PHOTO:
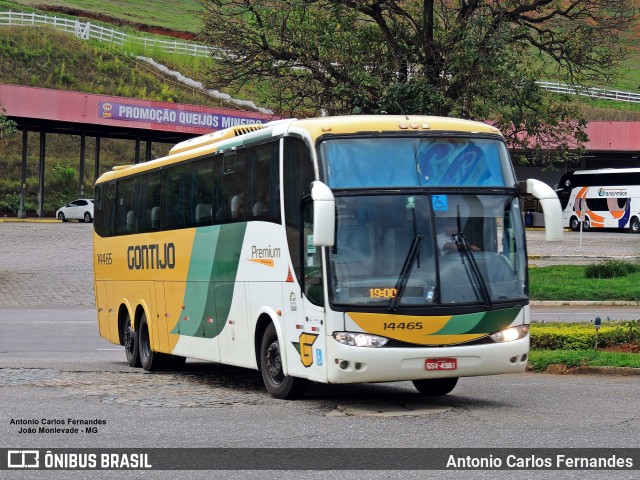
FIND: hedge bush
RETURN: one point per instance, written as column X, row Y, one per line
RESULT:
column 582, row 336
column 610, row 269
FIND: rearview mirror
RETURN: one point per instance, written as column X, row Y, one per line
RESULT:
column 324, row 215
column 550, row 207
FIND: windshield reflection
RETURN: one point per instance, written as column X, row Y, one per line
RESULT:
column 471, row 250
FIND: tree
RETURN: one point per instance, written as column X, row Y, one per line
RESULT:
column 468, row 58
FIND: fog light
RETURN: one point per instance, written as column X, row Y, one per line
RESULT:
column 510, row 334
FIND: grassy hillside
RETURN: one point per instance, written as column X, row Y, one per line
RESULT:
column 178, row 15
column 48, row 58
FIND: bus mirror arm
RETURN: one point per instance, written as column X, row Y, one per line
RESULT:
column 324, row 215
column 550, row 207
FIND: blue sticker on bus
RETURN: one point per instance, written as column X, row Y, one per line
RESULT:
column 318, row 357
column 440, row 203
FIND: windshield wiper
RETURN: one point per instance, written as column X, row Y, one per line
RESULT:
column 403, row 278
column 465, row 249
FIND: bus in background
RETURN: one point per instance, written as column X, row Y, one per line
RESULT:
column 335, row 250
column 604, row 198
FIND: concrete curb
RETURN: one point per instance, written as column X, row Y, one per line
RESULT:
column 29, row 220
column 561, row 369
column 582, row 257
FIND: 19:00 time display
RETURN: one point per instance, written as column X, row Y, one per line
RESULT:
column 382, row 292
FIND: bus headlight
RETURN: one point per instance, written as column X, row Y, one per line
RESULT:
column 360, row 339
column 510, row 334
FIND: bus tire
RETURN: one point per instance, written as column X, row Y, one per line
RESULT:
column 574, row 224
column 277, row 383
column 150, row 360
column 634, row 225
column 435, row 386
column 586, row 225
column 130, row 342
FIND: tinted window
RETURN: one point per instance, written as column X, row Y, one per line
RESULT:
column 200, row 193
column 233, row 185
column 127, row 195
column 173, row 197
column 149, row 202
column 264, row 188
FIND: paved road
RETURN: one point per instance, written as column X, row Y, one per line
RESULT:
column 45, row 264
column 55, row 366
column 79, row 376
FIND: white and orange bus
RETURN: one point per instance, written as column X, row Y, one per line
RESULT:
column 604, row 198
column 313, row 250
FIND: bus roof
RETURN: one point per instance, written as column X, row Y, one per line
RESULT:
column 389, row 123
column 316, row 127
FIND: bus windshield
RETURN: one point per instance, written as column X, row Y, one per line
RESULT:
column 415, row 162
column 470, row 250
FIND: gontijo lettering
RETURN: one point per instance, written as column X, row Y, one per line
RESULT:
column 153, row 256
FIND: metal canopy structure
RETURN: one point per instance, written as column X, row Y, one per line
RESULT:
column 102, row 116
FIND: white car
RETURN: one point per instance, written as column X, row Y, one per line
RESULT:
column 81, row 210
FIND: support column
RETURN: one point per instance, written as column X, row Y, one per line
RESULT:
column 83, row 148
column 96, row 167
column 22, row 213
column 43, row 139
column 137, row 150
column 148, row 151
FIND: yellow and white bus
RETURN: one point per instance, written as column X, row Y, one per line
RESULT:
column 335, row 250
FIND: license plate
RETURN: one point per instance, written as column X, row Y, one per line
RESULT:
column 441, row 364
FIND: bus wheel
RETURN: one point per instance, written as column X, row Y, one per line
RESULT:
column 130, row 341
column 634, row 226
column 435, row 386
column 586, row 225
column 149, row 359
column 278, row 384
column 574, row 223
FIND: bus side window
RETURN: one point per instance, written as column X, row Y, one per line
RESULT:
column 173, row 191
column 233, row 183
column 312, row 259
column 149, row 202
column 297, row 174
column 111, row 211
column 264, row 191
column 127, row 206
column 200, row 193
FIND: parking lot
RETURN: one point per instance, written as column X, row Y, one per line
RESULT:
column 49, row 263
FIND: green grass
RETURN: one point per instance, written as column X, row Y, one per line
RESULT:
column 539, row 360
column 180, row 15
column 569, row 282
column 47, row 58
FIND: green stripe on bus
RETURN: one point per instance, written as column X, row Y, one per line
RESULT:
column 482, row 322
column 210, row 283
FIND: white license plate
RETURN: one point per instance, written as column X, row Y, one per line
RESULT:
column 441, row 364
